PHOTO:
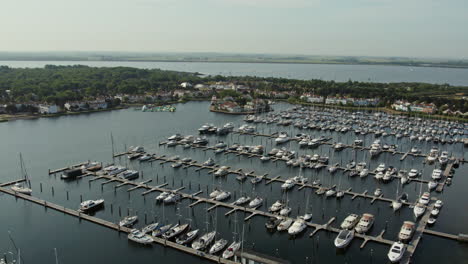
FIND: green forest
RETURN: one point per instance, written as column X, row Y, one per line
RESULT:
column 58, row 84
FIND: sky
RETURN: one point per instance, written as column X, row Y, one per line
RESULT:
column 414, row 28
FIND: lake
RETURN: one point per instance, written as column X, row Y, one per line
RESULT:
column 51, row 143
column 365, row 73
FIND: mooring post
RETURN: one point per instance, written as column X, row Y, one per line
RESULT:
column 52, row 190
column 40, row 186
column 67, row 196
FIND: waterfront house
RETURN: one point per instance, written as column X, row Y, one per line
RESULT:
column 48, row 109
column 97, row 104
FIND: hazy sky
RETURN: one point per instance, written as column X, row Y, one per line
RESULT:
column 429, row 28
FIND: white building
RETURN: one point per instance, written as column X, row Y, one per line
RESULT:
column 48, row 109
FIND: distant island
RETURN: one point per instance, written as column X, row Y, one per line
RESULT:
column 55, row 90
column 233, row 58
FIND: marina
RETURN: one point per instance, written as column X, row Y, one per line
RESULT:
column 194, row 171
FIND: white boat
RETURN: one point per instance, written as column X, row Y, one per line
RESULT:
column 144, row 157
column 425, row 198
column 215, row 193
column 187, row 237
column 436, row 174
column 128, row 221
column 162, row 196
column 413, row 173
column 343, row 238
column 90, row 205
column 161, row 230
column 378, row 192
column 224, row 195
column 218, row 246
column 435, row 212
column 204, row 241
column 297, row 227
column 172, row 198
column 406, row 231
column 150, row 228
column 330, row 192
column 350, row 221
column 285, row 211
column 209, row 162
column 396, row 252
column 175, row 231
column 443, row 159
column 177, row 164
column 432, row 185
column 231, row 250
column 276, row 206
column 306, row 217
column 256, row 179
column 363, row 173
column 138, row 236
column 333, row 169
column 265, row 158
column 366, row 222
column 419, row 210
column 222, row 171
column 380, row 168
column 285, row 224
column 288, row 184
column 21, row 188
column 396, row 205
column 438, row 204
column 282, row 138
column 242, row 200
column 256, row 202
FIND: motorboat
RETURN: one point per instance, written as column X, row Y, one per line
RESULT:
column 224, row 195
column 413, row 173
column 431, row 220
column 436, row 174
column 177, row 164
column 396, row 205
column 339, row 194
column 406, row 231
column 91, row 166
column 171, row 143
column 273, row 222
column 220, row 145
column 297, row 227
column 288, row 184
column 285, row 224
column 204, row 241
column 363, row 173
column 330, row 192
column 380, row 168
column 265, row 158
column 419, row 210
column 256, row 179
column 175, row 137
column 443, row 159
column 306, row 217
column 241, row 177
column 162, row 196
column 432, row 185
column 137, row 149
column 116, row 170
column 209, row 162
column 360, row 166
column 186, row 160
column 333, row 168
column 276, row 206
column 256, row 202
column 200, row 141
column 145, row 157
column 128, row 221
column 138, row 236
column 218, row 246
column 231, row 250
column 378, row 192
column 187, row 237
column 71, row 174
column 435, row 212
column 91, row 205
column 222, row 171
column 343, row 238
column 339, row 146
column 438, row 204
column 242, row 200
column 215, row 193
column 129, row 175
column 175, row 231
column 350, row 221
column 365, row 223
column 351, row 165
column 282, row 138
column 425, row 198
column 396, row 252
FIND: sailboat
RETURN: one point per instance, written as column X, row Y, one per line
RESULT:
column 396, row 205
column 25, row 186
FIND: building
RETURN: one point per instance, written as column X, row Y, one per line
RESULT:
column 49, row 109
column 97, row 104
column 186, row 85
column 75, row 106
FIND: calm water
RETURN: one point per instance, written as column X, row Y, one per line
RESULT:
column 58, row 142
column 373, row 73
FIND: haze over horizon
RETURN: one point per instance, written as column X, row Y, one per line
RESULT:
column 412, row 28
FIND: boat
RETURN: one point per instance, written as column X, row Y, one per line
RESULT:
column 128, row 221
column 136, row 155
column 138, row 236
column 436, row 174
column 161, row 230
column 256, row 179
column 363, row 173
column 413, row 173
column 406, row 231
column 366, row 222
column 209, row 162
column 438, row 204
column 71, row 174
column 23, row 187
column 284, row 224
column 297, row 227
column 242, row 200
column 396, row 252
column 330, row 192
column 435, row 212
column 162, row 196
column 378, row 192
column 116, row 170
column 288, row 184
column 256, row 202
column 443, row 159
column 273, row 222
column 91, row 166
column 276, row 206
column 204, row 241
column 282, row 138
column 172, row 198
column 90, row 205
column 431, row 185
column 187, row 237
column 137, row 149
column 265, row 158
column 425, row 198
column 129, row 175
column 285, row 211
column 222, row 171
column 144, row 158
column 200, row 141
column 218, row 246
column 150, row 228
column 224, row 195
column 350, row 221
column 215, row 193
column 175, row 137
column 419, row 210
column 343, row 238
column 431, row 220
column 333, row 168
column 380, row 168
column 231, row 250
column 175, row 231
column 306, row 217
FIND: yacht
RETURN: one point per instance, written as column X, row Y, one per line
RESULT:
column 285, row 211
column 330, row 192
column 200, row 141
column 129, row 175
column 433, row 155
column 150, row 228
column 285, row 224
column 71, row 174
column 273, row 222
column 344, row 238
column 116, row 170
column 378, row 192
column 128, row 221
column 277, row 206
column 242, row 200
column 231, row 250
column 220, row 145
column 419, row 210
column 265, row 158
column 145, row 157
column 432, row 185
column 413, row 173
column 425, row 198
column 162, row 196
column 436, row 174
column 380, row 168
column 175, row 231
column 363, row 173
column 138, row 236
column 204, row 241
column 223, row 171
column 350, row 221
column 306, row 217
column 438, row 204
column 172, row 198
column 288, row 184
column 297, row 227
column 333, row 169
column 256, row 202
column 224, row 195
column 282, row 138
column 443, row 159
column 187, row 237
column 218, row 246
column 209, row 162
column 375, row 148
column 366, row 222
column 435, row 212
column 21, row 188
column 175, row 137
column 90, row 205
column 406, row 231
column 339, row 146
column 161, row 230
column 396, row 252
column 215, row 193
